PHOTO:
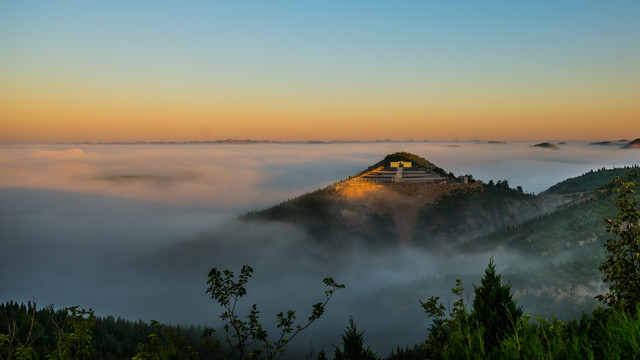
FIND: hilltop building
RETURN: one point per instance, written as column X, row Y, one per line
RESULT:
column 400, row 164
column 401, row 172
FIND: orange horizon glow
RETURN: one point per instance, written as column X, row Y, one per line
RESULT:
column 53, row 121
column 100, row 116
column 437, row 72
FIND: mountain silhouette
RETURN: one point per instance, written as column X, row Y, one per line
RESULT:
column 546, row 145
column 635, row 144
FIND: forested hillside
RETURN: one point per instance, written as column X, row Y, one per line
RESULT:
column 465, row 215
column 577, row 227
column 586, row 182
column 320, row 214
column 432, row 215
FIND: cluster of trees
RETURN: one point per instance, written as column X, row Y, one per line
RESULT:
column 494, row 328
column 45, row 333
column 71, row 333
column 502, row 185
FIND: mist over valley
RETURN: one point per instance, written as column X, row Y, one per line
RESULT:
column 132, row 230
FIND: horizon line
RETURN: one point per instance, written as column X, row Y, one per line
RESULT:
column 310, row 141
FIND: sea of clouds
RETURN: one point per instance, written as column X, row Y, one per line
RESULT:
column 107, row 226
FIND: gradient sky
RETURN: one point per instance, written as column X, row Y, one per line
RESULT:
column 300, row 70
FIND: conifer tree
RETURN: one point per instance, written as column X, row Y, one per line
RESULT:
column 353, row 345
column 494, row 307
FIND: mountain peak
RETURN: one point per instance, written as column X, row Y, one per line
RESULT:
column 397, row 186
column 404, row 167
column 408, row 157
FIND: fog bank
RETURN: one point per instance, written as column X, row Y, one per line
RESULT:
column 132, row 230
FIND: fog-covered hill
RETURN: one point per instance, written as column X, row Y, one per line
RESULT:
column 433, row 214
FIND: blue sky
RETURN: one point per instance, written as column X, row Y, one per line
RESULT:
column 438, row 61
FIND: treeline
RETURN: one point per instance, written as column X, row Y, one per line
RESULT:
column 29, row 332
column 503, row 185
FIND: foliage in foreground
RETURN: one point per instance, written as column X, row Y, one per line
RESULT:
column 250, row 336
column 622, row 265
column 33, row 333
column 605, row 334
column 45, row 333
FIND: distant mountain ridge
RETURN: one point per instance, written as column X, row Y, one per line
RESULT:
column 622, row 144
column 635, row 144
column 334, row 141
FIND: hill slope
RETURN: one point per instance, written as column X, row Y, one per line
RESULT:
column 435, row 213
column 635, row 144
column 586, row 182
column 577, row 228
column 461, row 216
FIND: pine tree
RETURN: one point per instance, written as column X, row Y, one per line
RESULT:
column 353, row 345
column 494, row 307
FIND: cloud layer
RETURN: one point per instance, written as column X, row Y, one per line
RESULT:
column 131, row 230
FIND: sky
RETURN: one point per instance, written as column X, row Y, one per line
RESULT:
column 79, row 71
